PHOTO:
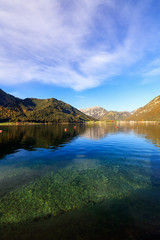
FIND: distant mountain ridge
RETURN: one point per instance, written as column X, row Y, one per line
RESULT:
column 116, row 116
column 102, row 114
column 96, row 112
column 150, row 112
column 38, row 110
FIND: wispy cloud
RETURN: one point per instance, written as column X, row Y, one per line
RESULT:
column 77, row 44
column 151, row 73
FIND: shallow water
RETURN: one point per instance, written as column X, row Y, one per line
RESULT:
column 89, row 182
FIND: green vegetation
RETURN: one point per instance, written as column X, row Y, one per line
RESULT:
column 38, row 110
column 68, row 189
column 113, row 116
column 5, row 123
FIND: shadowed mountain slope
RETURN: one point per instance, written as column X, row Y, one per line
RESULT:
column 38, row 110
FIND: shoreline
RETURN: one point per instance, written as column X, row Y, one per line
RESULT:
column 87, row 122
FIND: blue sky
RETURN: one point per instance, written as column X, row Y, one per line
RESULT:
column 85, row 52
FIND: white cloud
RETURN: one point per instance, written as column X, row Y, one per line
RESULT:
column 77, row 44
column 151, row 73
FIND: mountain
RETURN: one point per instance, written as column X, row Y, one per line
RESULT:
column 102, row 114
column 38, row 110
column 96, row 112
column 150, row 112
column 113, row 115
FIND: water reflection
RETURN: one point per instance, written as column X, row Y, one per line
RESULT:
column 31, row 137
column 26, row 152
column 148, row 130
column 99, row 130
column 100, row 174
column 41, row 136
column 29, row 151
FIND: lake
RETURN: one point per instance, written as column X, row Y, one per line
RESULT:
column 80, row 181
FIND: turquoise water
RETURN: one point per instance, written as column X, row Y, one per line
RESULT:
column 85, row 182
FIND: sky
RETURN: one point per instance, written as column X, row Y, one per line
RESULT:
column 84, row 52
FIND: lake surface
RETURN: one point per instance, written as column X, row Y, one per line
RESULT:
column 80, row 181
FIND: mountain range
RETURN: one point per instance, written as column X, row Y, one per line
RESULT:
column 38, row 110
column 52, row 110
column 102, row 114
column 150, row 112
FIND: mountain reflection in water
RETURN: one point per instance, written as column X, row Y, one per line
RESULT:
column 41, row 136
